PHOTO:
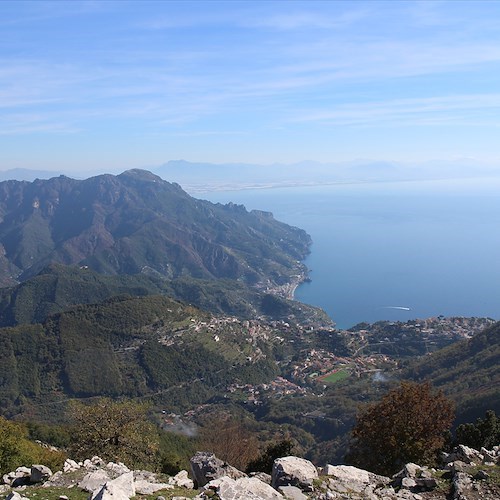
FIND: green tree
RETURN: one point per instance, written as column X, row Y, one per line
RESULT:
column 16, row 449
column 10, row 444
column 114, row 430
column 485, row 432
column 409, row 424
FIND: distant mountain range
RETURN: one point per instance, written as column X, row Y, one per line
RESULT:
column 203, row 176
column 136, row 222
column 25, row 174
column 209, row 176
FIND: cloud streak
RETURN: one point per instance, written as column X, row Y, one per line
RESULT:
column 255, row 69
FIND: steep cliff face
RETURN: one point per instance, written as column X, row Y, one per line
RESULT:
column 134, row 221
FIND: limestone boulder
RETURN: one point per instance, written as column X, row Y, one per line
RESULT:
column 346, row 478
column 350, row 474
column 206, row 467
column 15, row 496
column 39, row 474
column 464, row 454
column 263, row 476
column 121, row 488
column 248, row 488
column 19, row 477
column 70, row 465
column 117, row 468
column 414, row 477
column 292, row 493
column 94, row 481
column 147, row 483
column 182, row 480
column 293, row 471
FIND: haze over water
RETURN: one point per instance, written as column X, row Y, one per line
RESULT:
column 380, row 248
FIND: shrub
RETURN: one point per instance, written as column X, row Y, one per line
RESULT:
column 114, row 430
column 409, row 424
column 483, row 433
column 16, row 449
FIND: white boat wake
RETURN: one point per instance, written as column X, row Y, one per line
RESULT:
column 400, row 308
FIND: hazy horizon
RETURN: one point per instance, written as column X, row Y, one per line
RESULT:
column 199, row 177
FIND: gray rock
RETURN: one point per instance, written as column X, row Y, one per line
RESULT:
column 94, row 481
column 121, row 488
column 457, row 466
column 292, row 493
column 118, row 468
column 408, row 483
column 147, row 483
column 70, row 465
column 97, row 461
column 19, row 477
column 345, row 479
column 490, row 456
column 143, row 487
column 243, row 488
column 426, row 483
column 145, row 475
column 293, row 471
column 264, row 477
column 39, row 473
column 182, row 480
column 409, row 470
column 464, row 454
column 15, row 496
column 339, row 487
column 348, row 474
column 415, row 478
column 461, row 484
column 206, row 467
column 57, row 479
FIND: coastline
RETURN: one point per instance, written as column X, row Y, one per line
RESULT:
column 287, row 290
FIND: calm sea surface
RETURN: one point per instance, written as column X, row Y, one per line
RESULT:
column 432, row 247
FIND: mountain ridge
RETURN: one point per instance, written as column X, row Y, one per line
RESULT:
column 136, row 221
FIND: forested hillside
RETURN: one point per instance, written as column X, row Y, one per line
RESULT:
column 149, row 346
column 57, row 287
column 136, row 222
column 468, row 371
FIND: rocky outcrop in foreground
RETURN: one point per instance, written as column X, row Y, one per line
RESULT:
column 467, row 474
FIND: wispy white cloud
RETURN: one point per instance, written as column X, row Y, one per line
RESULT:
column 301, row 18
column 442, row 110
column 286, row 64
column 28, row 123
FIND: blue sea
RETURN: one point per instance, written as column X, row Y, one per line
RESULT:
column 393, row 251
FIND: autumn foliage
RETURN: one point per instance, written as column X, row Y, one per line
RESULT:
column 409, row 424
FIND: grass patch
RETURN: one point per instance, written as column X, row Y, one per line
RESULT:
column 335, row 377
column 39, row 493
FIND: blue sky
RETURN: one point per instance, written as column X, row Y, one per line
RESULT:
column 114, row 85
